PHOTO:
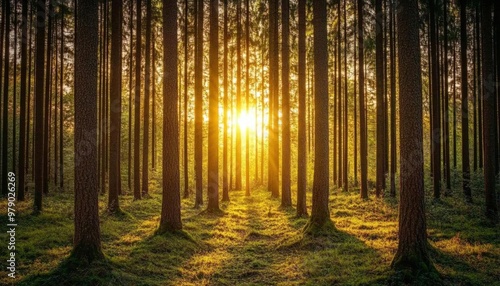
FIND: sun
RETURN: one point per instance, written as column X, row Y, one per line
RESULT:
column 247, row 120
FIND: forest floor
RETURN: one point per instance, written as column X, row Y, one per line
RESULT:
column 254, row 242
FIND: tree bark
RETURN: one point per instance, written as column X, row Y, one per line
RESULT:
column 412, row 247
column 489, row 105
column 320, row 213
column 286, row 195
column 116, row 105
column 87, row 238
column 362, row 110
column 302, row 148
column 465, row 102
column 213, row 115
column 39, row 96
column 198, row 103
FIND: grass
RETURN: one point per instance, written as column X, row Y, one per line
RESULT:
column 254, row 242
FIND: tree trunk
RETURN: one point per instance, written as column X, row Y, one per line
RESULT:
column 5, row 114
column 489, row 105
column 116, row 105
column 186, row 83
column 392, row 53
column 247, row 97
column 379, row 59
column 273, row 171
column 320, row 213
column 147, row 84
column 22, row 131
column 137, row 103
column 87, row 238
column 302, row 148
column 362, row 110
column 412, row 247
column 39, row 95
column 225, row 185
column 286, row 195
column 436, row 110
column 213, row 115
column 198, row 103
column 465, row 102
column 171, row 205
column 238, row 96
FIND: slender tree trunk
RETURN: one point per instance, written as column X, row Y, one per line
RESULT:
column 346, row 107
column 480, row 90
column 39, row 95
column 225, row 185
column 153, row 99
column 340, row 108
column 147, row 84
column 355, row 134
column 22, row 131
column 379, row 59
column 286, row 195
column 362, row 110
column 412, row 246
column 489, row 105
column 137, row 103
column 247, row 97
column 186, row 83
column 14, row 91
column 171, row 205
column 238, row 183
column 198, row 103
column 131, row 60
column 213, row 115
column 446, row 102
column 320, row 213
column 87, row 239
column 392, row 54
column 116, row 105
column 273, row 172
column 302, row 148
column 436, row 110
column 5, row 114
column 61, row 111
column 454, row 106
column 465, row 101
column 46, row 106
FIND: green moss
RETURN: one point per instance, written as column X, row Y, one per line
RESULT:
column 255, row 242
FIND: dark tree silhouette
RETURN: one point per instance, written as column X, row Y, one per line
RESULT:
column 489, row 105
column 286, row 195
column 362, row 110
column 198, row 103
column 465, row 102
column 147, row 89
column 39, row 96
column 137, row 102
column 213, row 115
column 302, row 151
column 171, row 203
column 87, row 238
column 116, row 105
column 412, row 246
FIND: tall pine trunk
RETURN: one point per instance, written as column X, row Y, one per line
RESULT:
column 116, row 105
column 87, row 238
column 320, row 215
column 213, row 110
column 412, row 247
column 171, row 202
